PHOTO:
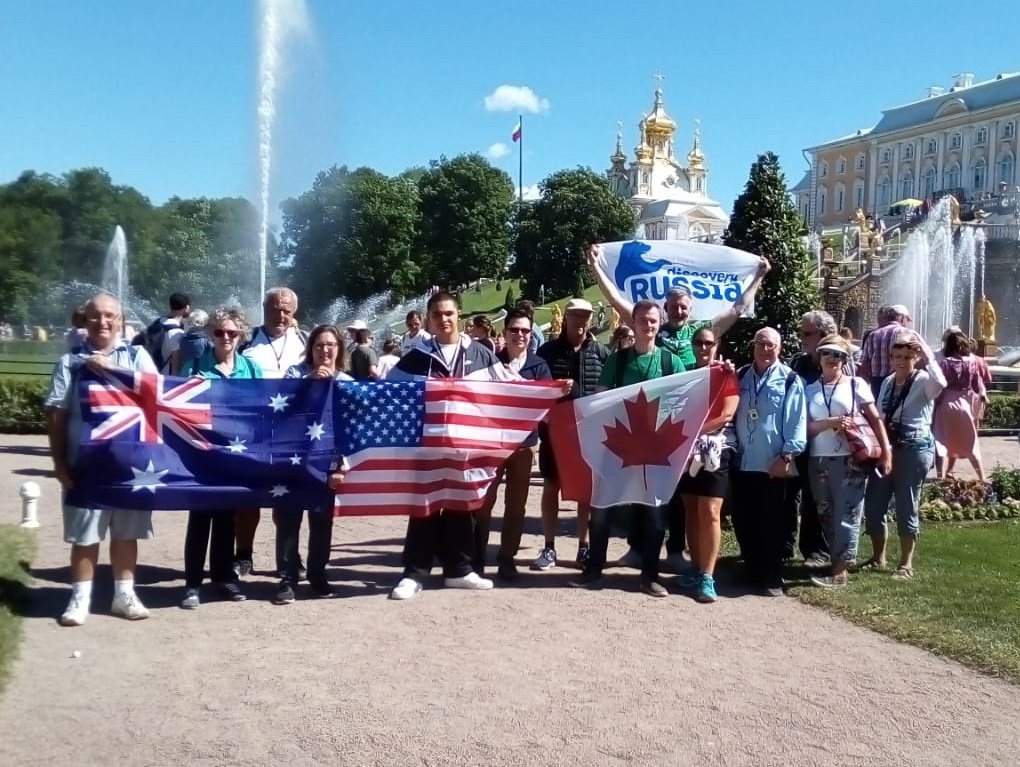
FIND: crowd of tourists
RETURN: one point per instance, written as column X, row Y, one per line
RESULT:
column 802, row 447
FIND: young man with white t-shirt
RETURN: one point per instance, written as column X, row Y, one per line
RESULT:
column 275, row 345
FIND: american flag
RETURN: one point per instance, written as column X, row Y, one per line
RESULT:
column 415, row 447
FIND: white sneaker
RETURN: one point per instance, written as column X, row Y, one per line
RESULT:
column 631, row 559
column 546, row 560
column 470, row 581
column 128, row 605
column 408, row 588
column 676, row 563
column 77, row 611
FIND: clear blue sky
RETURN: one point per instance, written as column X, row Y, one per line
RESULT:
column 163, row 94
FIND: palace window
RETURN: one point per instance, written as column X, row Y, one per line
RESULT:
column 981, row 136
column 1009, row 129
column 886, row 155
column 908, row 152
column 841, row 166
column 884, row 192
column 1004, row 169
column 930, row 178
column 953, row 176
column 840, row 198
column 859, row 163
column 956, row 141
column 980, row 174
column 825, row 169
column 907, row 185
column 821, row 201
column 859, row 194
column 932, row 146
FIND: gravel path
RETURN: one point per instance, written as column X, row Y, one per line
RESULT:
column 532, row 675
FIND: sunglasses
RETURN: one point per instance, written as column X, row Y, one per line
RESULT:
column 522, row 331
column 703, row 344
column 832, row 354
column 221, row 333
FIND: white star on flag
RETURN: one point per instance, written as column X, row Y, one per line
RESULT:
column 295, row 460
column 148, row 479
column 279, row 402
column 279, row 491
column 315, row 431
column 237, row 445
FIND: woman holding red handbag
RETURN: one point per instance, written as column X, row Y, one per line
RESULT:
column 847, row 441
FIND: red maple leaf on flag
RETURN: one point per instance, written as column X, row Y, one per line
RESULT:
column 643, row 444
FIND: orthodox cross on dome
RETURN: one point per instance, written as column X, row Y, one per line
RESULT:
column 658, row 77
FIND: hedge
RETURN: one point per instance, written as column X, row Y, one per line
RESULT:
column 1003, row 412
column 21, row 405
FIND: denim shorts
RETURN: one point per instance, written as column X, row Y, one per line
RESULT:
column 87, row 527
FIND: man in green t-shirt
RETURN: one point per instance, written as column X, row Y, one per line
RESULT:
column 678, row 330
column 643, row 362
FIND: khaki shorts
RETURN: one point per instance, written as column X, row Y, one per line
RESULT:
column 87, row 527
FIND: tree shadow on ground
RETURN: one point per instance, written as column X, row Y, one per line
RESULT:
column 25, row 450
column 33, row 472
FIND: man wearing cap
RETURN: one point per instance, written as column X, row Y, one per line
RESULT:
column 274, row 346
column 364, row 360
column 578, row 356
column 678, row 330
column 876, row 364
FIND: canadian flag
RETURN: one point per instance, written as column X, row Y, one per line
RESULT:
column 631, row 445
column 516, row 135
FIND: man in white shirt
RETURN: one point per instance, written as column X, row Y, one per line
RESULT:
column 275, row 345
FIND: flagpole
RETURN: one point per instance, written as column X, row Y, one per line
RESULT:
column 520, row 161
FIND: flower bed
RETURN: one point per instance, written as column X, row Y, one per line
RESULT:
column 970, row 499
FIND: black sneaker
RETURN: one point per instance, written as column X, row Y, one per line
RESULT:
column 654, row 588
column 243, row 567
column 284, row 594
column 583, row 555
column 321, row 588
column 232, row 592
column 508, row 572
column 587, row 580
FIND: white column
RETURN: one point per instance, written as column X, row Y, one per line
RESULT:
column 967, row 132
column 871, row 179
column 895, row 172
column 992, row 177
column 940, row 160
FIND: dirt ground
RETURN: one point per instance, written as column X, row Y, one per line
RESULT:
column 535, row 674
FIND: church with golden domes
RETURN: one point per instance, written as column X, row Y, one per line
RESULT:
column 671, row 199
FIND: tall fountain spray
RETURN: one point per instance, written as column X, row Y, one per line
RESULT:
column 280, row 20
column 115, row 267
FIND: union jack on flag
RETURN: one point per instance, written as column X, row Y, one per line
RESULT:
column 146, row 407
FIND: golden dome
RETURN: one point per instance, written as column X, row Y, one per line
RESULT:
column 658, row 123
column 695, row 158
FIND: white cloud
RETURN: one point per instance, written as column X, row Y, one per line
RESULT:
column 515, row 98
column 497, row 150
column 531, row 191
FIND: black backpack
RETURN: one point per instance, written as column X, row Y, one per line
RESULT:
column 152, row 339
column 623, row 356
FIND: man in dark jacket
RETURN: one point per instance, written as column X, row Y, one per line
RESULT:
column 449, row 534
column 578, row 356
column 517, row 469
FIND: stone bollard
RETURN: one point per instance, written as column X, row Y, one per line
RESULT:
column 29, row 493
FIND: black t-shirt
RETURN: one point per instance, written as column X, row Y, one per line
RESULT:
column 363, row 358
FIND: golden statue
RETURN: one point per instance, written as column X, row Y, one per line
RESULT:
column 870, row 238
column 614, row 319
column 986, row 320
column 556, row 323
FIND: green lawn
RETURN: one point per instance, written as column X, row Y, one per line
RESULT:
column 15, row 552
column 963, row 601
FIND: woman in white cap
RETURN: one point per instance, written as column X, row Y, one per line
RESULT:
column 837, row 481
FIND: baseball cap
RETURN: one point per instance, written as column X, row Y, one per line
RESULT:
column 578, row 305
column 358, row 325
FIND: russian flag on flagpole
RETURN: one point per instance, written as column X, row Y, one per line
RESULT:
column 516, row 135
column 632, row 444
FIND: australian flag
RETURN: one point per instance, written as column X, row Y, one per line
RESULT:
column 155, row 442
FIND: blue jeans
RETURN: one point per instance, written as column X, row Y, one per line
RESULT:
column 912, row 461
column 838, row 484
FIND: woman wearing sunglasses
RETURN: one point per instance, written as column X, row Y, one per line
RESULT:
column 703, row 494
column 214, row 530
column 907, row 403
column 837, row 481
column 323, row 360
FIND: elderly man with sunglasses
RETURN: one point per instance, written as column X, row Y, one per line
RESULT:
column 771, row 426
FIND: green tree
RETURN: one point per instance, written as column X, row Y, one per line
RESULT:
column 576, row 208
column 465, row 207
column 511, row 299
column 766, row 223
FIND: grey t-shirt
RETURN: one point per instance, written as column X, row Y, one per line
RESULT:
column 915, row 413
column 363, row 359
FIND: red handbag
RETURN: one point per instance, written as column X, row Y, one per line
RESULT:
column 863, row 442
